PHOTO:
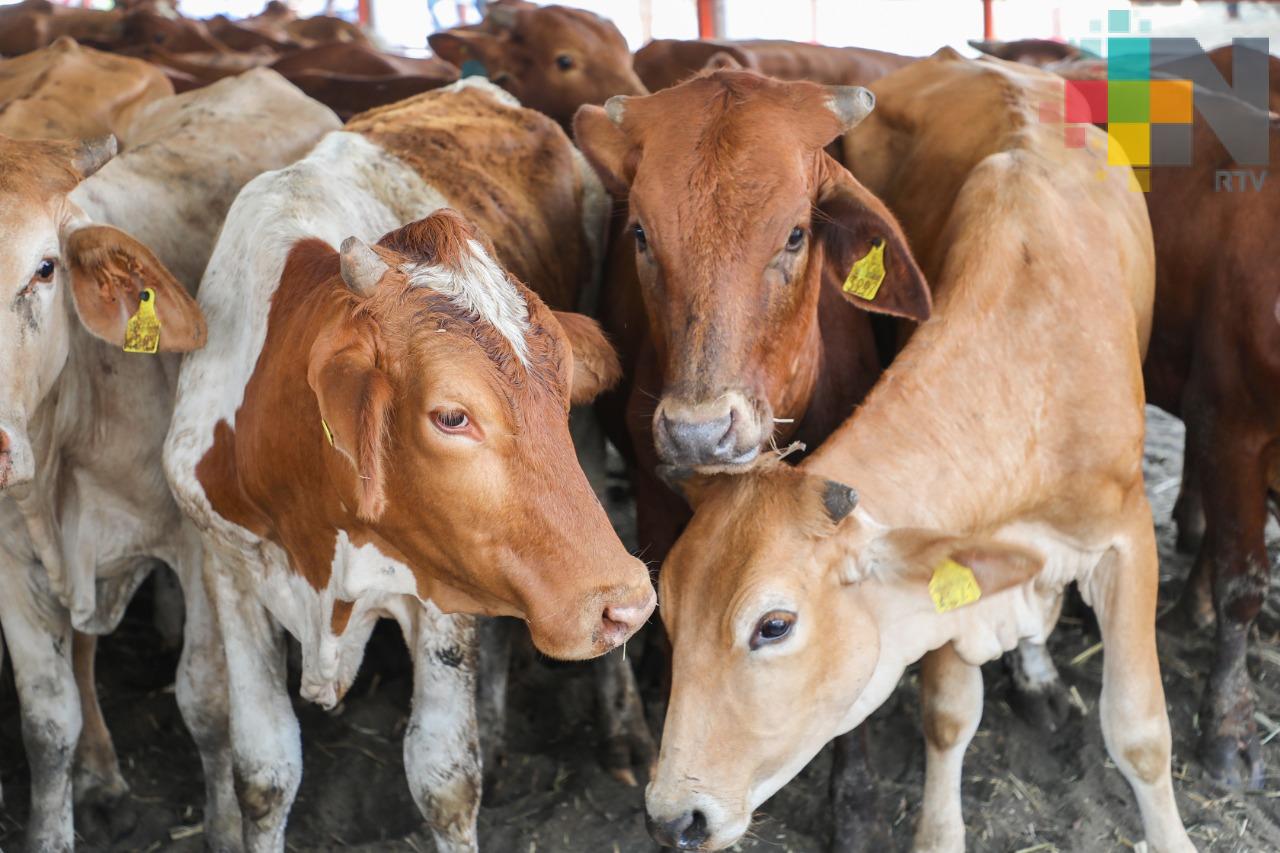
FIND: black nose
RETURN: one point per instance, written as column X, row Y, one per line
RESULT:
column 692, row 442
column 687, row 832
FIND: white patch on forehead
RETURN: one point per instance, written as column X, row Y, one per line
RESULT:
column 479, row 287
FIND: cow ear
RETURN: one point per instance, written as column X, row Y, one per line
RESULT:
column 595, row 362
column 355, row 413
column 598, row 132
column 724, row 60
column 114, row 278
column 865, row 251
column 472, row 51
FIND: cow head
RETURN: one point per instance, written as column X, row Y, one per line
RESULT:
column 792, row 617
column 551, row 58
column 736, row 211
column 59, row 271
column 445, row 388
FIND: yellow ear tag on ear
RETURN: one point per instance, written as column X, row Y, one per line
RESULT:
column 867, row 273
column 953, row 585
column 328, row 433
column 142, row 334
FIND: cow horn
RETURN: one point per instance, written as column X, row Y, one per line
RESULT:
column 501, row 16
column 93, row 154
column 615, row 107
column 362, row 269
column 839, row 500
column 851, row 104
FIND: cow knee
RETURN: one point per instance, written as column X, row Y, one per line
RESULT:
column 1239, row 594
column 51, row 722
column 263, row 793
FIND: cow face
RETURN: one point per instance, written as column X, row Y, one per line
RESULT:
column 735, row 211
column 552, row 59
column 446, row 391
column 791, row 619
column 59, row 271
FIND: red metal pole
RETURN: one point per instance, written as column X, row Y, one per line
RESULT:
column 708, row 19
column 988, row 24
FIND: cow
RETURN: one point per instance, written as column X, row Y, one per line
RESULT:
column 380, row 429
column 1215, row 343
column 552, row 58
column 85, row 510
column 351, row 78
column 29, row 26
column 735, row 332
column 1037, row 52
column 67, row 91
column 998, row 460
column 663, row 63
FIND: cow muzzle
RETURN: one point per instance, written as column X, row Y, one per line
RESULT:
column 695, row 823
column 728, row 431
column 17, row 464
column 604, row 622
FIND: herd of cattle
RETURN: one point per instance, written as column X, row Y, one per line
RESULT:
column 324, row 372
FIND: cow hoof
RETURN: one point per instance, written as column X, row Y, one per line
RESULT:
column 1234, row 762
column 105, row 820
column 1046, row 708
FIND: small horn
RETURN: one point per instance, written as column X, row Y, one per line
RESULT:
column 501, row 16
column 362, row 269
column 93, row 154
column 838, row 500
column 615, row 107
column 851, row 104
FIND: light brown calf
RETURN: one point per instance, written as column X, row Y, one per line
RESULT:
column 998, row 460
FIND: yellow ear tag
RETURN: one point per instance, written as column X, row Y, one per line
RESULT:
column 328, row 433
column 867, row 273
column 142, row 334
column 953, row 585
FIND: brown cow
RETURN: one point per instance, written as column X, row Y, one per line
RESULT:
column 435, row 469
column 351, row 78
column 998, row 460
column 1037, row 52
column 1215, row 345
column 736, row 325
column 552, row 58
column 663, row 63
column 29, row 26
column 70, row 92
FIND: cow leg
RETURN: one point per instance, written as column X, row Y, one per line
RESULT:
column 441, row 749
column 103, row 810
column 38, row 632
column 1188, row 509
column 951, row 691
column 1038, row 696
column 202, row 694
column 266, row 745
column 1235, row 546
column 856, row 821
column 1135, row 726
column 628, row 742
column 493, row 664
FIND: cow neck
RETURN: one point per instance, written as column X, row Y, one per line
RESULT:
column 928, row 447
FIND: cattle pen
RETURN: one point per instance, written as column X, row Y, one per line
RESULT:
column 611, row 426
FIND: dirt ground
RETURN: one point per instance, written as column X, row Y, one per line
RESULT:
column 1023, row 791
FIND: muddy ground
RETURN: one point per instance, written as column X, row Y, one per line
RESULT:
column 1024, row 791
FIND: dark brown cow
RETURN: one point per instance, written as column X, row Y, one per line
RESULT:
column 1215, row 348
column 1037, row 52
column 663, row 63
column 34, row 24
column 553, row 59
column 350, row 78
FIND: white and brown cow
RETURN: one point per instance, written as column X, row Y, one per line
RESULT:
column 85, row 511
column 383, row 431
column 997, row 460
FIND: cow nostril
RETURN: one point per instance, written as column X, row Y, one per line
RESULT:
column 727, row 442
column 695, row 834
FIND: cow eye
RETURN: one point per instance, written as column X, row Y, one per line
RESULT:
column 564, row 62
column 795, row 239
column 44, row 272
column 773, row 627
column 451, row 420
column 642, row 242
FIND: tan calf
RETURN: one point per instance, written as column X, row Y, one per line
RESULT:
column 998, row 460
